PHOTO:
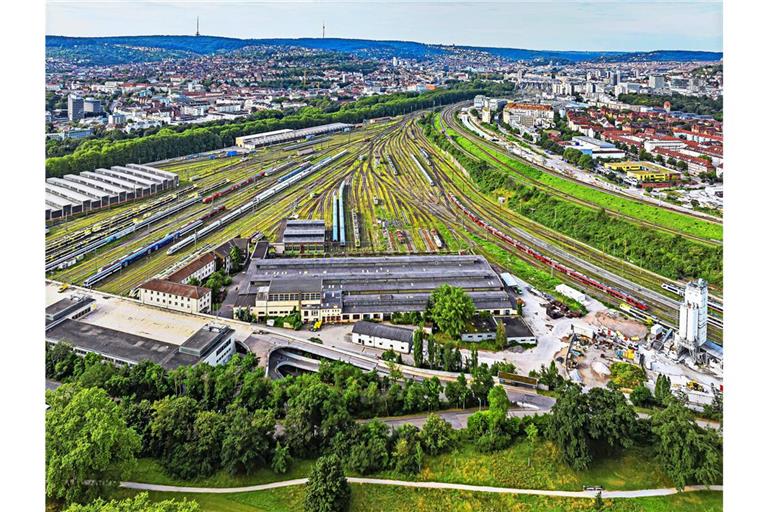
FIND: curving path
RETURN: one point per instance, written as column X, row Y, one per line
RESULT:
column 641, row 493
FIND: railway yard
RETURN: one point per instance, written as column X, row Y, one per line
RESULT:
column 401, row 195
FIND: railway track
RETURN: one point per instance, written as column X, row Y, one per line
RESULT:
column 448, row 119
column 521, row 227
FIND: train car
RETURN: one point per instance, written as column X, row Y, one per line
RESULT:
column 547, row 261
column 437, row 239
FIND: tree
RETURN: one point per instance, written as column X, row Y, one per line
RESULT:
column 408, row 454
column 327, row 487
column 457, row 392
column 206, row 446
column 641, row 396
column 433, row 388
column 139, row 503
column 88, row 446
column 473, row 359
column 501, row 336
column 437, row 435
column 532, row 434
column 60, row 361
column 248, row 441
column 281, row 459
column 236, row 259
column 172, row 432
column 598, row 505
column 418, row 348
column 583, row 423
column 193, row 281
column 370, row 453
column 663, row 389
column 451, row 309
column 314, row 417
column 482, row 381
column 498, row 401
column 688, row 453
column 431, row 351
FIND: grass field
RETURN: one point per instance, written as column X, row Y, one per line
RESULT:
column 150, row 471
column 631, row 469
column 625, row 206
column 635, row 468
column 369, row 498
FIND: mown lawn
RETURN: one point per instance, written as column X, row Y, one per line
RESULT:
column 369, row 498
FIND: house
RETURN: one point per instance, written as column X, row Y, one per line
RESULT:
column 223, row 253
column 484, row 329
column 387, row 337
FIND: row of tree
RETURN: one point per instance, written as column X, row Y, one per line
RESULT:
column 171, row 142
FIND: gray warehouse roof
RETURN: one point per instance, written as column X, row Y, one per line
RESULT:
column 381, row 284
column 388, row 332
column 123, row 346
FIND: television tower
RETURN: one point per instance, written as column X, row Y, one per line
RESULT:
column 323, row 30
column 197, row 32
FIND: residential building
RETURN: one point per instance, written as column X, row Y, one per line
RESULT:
column 175, row 296
column 200, row 268
column 92, row 106
column 528, row 114
column 75, row 110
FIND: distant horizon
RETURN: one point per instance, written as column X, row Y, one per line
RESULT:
column 560, row 25
column 384, row 40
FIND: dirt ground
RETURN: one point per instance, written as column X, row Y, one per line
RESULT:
column 613, row 321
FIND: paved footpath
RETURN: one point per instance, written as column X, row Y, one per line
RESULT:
column 641, row 493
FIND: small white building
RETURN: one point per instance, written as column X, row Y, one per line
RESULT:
column 175, row 296
column 381, row 336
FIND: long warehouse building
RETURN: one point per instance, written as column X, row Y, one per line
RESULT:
column 73, row 194
column 286, row 135
column 370, row 288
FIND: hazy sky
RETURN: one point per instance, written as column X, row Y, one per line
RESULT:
column 551, row 25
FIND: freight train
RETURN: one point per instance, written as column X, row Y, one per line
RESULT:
column 550, row 262
column 283, row 183
column 237, row 186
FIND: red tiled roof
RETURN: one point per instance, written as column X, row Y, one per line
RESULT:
column 178, row 289
column 191, row 268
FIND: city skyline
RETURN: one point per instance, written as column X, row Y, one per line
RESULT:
column 612, row 25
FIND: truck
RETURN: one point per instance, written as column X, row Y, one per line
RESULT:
column 316, row 326
column 231, row 153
